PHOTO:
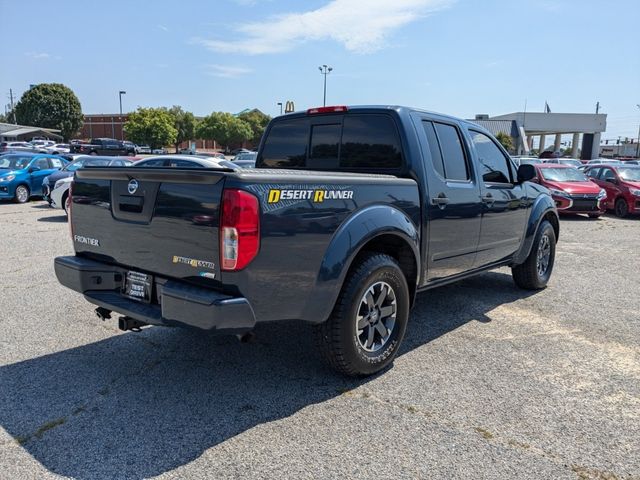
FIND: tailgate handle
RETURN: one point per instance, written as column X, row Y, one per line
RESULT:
column 130, row 203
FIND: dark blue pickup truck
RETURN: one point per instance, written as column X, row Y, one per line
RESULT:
column 349, row 213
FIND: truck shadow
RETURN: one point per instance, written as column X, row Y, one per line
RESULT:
column 138, row 405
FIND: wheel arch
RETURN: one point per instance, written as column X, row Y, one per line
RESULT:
column 380, row 228
column 543, row 209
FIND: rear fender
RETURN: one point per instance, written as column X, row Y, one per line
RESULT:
column 347, row 242
column 543, row 205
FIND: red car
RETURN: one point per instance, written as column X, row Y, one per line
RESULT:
column 622, row 183
column 572, row 191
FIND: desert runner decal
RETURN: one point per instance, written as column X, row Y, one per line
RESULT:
column 316, row 196
column 192, row 262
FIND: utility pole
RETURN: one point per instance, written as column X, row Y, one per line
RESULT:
column 597, row 107
column 638, row 145
column 12, row 109
column 120, row 93
column 325, row 70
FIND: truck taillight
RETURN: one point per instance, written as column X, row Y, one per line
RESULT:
column 239, row 229
column 332, row 109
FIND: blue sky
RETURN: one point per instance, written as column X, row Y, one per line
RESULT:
column 458, row 57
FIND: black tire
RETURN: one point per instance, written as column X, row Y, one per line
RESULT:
column 342, row 343
column 621, row 208
column 22, row 194
column 65, row 197
column 534, row 275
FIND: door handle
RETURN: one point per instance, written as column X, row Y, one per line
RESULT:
column 488, row 199
column 441, row 200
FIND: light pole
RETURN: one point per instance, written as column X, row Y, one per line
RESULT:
column 280, row 105
column 325, row 70
column 120, row 93
column 638, row 145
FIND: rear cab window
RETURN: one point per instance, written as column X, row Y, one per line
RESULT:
column 351, row 142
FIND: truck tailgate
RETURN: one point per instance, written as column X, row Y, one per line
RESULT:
column 153, row 220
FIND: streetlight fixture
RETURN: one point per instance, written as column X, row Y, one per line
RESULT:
column 325, row 70
column 280, row 105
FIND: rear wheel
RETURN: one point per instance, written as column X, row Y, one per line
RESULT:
column 621, row 208
column 65, row 203
column 536, row 270
column 368, row 322
column 22, row 194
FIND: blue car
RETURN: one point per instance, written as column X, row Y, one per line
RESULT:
column 21, row 174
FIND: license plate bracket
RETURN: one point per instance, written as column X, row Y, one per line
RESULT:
column 138, row 286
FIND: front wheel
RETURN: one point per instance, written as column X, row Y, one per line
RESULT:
column 368, row 322
column 536, row 270
column 22, row 194
column 621, row 208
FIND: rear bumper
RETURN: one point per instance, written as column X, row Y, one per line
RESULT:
column 180, row 304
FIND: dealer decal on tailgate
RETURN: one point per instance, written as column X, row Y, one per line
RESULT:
column 316, row 196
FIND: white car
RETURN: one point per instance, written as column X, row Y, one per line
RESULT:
column 58, row 148
column 60, row 194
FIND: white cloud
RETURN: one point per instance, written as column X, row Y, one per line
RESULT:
column 164, row 28
column 38, row 55
column 362, row 26
column 227, row 71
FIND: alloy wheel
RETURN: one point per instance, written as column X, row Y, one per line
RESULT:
column 544, row 255
column 376, row 317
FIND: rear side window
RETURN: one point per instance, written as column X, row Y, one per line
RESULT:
column 56, row 163
column 370, row 141
column 434, row 148
column 286, row 145
column 593, row 173
column 455, row 164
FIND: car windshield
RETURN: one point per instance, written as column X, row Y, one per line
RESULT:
column 88, row 162
column 629, row 174
column 13, row 162
column 246, row 156
column 563, row 175
column 573, row 163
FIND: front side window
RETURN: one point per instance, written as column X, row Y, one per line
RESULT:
column 493, row 163
column 455, row 163
column 593, row 172
column 607, row 174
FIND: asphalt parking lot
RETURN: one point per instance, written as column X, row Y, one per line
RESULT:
column 492, row 382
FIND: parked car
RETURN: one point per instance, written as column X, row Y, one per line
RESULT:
column 329, row 240
column 603, row 161
column 16, row 147
column 622, row 183
column 59, row 197
column 103, row 146
column 525, row 159
column 245, row 163
column 238, row 151
column 632, row 162
column 143, row 149
column 184, row 161
column 58, row 148
column 572, row 162
column 572, row 191
column 210, row 155
column 246, row 156
column 159, row 151
column 21, row 174
column 48, row 184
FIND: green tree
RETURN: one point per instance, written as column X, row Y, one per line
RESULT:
column 506, row 141
column 185, row 123
column 224, row 128
column 50, row 105
column 257, row 121
column 4, row 118
column 151, row 126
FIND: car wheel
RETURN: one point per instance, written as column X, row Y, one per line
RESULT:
column 536, row 270
column 22, row 194
column 621, row 208
column 65, row 203
column 368, row 322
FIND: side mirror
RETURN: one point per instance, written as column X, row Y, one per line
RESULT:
column 526, row 172
column 34, row 169
column 612, row 180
